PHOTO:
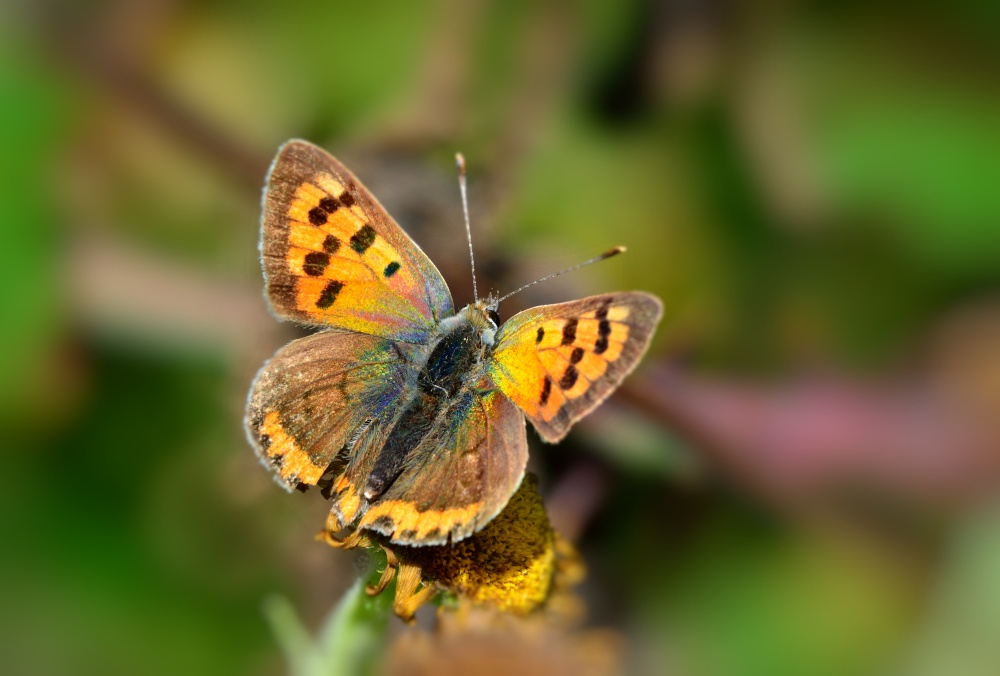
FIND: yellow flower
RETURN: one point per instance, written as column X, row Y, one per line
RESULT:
column 510, row 564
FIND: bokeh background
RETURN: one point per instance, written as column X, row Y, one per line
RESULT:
column 802, row 477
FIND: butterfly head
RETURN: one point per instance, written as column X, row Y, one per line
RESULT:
column 483, row 316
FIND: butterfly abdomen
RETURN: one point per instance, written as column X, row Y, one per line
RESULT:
column 440, row 381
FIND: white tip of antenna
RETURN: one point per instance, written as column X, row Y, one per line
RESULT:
column 614, row 252
column 460, row 163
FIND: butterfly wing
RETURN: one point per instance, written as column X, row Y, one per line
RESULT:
column 454, row 482
column 311, row 399
column 557, row 362
column 332, row 256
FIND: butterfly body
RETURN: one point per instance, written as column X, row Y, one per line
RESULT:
column 408, row 415
column 452, row 376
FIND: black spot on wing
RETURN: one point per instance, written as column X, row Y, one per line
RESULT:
column 576, row 355
column 320, row 214
column 317, row 216
column 539, row 335
column 569, row 331
column 546, row 391
column 603, row 331
column 331, row 244
column 391, row 269
column 569, row 377
column 315, row 263
column 362, row 240
column 329, row 294
column 346, row 198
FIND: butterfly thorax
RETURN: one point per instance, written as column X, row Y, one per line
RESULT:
column 450, row 378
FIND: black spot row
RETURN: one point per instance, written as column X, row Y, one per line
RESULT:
column 316, row 262
column 568, row 380
column 569, row 376
column 320, row 214
column 603, row 328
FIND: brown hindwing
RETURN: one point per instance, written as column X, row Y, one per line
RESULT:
column 314, row 395
column 458, row 478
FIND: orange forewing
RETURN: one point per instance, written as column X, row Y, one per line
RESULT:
column 332, row 255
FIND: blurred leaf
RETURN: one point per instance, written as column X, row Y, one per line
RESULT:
column 903, row 142
column 749, row 600
column 351, row 640
column 33, row 123
column 962, row 620
column 635, row 444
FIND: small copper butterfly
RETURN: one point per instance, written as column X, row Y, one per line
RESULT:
column 409, row 415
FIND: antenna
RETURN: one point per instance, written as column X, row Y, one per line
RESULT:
column 460, row 161
column 607, row 254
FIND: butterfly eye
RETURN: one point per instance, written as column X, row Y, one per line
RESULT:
column 495, row 316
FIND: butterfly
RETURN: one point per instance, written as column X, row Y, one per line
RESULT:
column 408, row 415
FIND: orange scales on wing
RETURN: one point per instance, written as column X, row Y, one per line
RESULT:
column 339, row 260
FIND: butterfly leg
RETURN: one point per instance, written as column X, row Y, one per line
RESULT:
column 391, row 566
column 407, row 575
column 350, row 541
column 407, row 598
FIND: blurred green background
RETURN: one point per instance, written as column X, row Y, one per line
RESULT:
column 803, row 475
